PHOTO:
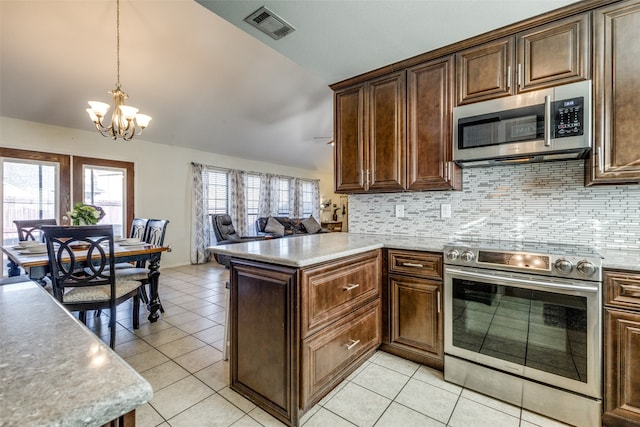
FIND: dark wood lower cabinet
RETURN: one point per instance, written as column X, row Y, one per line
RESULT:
column 264, row 344
column 416, row 320
column 297, row 333
column 621, row 349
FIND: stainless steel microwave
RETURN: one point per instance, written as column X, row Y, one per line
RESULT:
column 543, row 125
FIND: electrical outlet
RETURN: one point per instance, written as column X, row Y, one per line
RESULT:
column 399, row 211
column 445, row 210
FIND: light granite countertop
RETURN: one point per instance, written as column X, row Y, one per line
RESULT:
column 56, row 372
column 302, row 251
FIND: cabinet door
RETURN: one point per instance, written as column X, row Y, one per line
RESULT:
column 386, row 132
column 349, row 148
column 416, row 321
column 621, row 368
column 485, row 71
column 616, row 154
column 429, row 152
column 264, row 339
column 554, row 54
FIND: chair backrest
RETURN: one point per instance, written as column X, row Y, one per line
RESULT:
column 63, row 243
column 223, row 228
column 155, row 231
column 29, row 229
column 138, row 227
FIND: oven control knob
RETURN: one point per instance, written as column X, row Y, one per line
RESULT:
column 467, row 256
column 586, row 268
column 453, row 255
column 563, row 266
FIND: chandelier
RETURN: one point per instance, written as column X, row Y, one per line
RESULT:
column 125, row 120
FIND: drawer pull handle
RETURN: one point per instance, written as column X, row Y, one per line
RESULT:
column 351, row 287
column 353, row 344
column 411, row 264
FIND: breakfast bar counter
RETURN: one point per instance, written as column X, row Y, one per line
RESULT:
column 54, row 371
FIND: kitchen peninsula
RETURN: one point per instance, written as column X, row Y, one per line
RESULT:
column 306, row 312
column 55, row 372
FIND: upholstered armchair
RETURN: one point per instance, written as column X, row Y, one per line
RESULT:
column 226, row 233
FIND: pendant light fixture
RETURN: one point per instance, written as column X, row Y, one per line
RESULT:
column 125, row 120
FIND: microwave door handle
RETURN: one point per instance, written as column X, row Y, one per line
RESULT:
column 548, row 121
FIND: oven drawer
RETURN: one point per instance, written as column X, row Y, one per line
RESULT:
column 416, row 264
column 329, row 356
column 332, row 290
column 622, row 289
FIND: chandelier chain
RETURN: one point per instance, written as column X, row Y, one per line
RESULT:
column 118, row 41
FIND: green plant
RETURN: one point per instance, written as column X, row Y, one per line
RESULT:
column 85, row 214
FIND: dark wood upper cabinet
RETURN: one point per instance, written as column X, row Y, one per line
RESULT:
column 370, row 142
column 548, row 55
column 429, row 105
column 387, row 124
column 485, row 72
column 616, row 154
column 349, row 140
column 554, row 54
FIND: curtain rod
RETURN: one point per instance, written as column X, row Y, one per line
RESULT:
column 253, row 172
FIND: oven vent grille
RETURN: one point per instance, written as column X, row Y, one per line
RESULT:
column 269, row 23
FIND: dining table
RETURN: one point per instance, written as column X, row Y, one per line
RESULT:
column 37, row 266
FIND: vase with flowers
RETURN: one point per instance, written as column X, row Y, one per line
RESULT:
column 83, row 214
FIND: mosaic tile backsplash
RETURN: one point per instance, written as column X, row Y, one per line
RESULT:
column 545, row 202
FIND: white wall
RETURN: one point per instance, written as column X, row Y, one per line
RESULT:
column 162, row 172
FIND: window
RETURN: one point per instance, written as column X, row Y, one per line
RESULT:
column 217, row 183
column 34, row 186
column 283, row 196
column 307, row 198
column 108, row 184
column 252, row 188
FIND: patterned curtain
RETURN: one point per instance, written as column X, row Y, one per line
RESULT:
column 295, row 198
column 200, row 227
column 265, row 196
column 274, row 194
column 238, row 201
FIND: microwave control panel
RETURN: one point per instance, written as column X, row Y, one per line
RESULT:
column 568, row 115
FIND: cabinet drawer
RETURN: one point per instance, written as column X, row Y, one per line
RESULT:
column 622, row 289
column 327, row 357
column 330, row 291
column 416, row 264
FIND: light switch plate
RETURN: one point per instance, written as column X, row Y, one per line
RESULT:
column 445, row 210
column 399, row 211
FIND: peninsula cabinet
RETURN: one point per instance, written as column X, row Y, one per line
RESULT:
column 412, row 306
column 621, row 349
column 615, row 156
column 298, row 332
column 429, row 106
column 370, row 143
column 548, row 55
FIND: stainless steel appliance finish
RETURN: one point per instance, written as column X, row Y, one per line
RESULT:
column 543, row 125
column 523, row 324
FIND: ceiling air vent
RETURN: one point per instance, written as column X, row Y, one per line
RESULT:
column 269, row 23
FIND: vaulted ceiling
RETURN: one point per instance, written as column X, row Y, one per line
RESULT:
column 211, row 81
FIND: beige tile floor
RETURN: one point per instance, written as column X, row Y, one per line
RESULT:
column 181, row 356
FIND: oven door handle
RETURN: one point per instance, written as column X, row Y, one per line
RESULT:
column 523, row 281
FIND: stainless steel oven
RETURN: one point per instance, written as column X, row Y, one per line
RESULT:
column 523, row 324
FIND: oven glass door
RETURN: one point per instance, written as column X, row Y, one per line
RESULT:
column 545, row 333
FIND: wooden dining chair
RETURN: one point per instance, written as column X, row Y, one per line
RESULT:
column 138, row 227
column 29, row 229
column 81, row 285
column 154, row 235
